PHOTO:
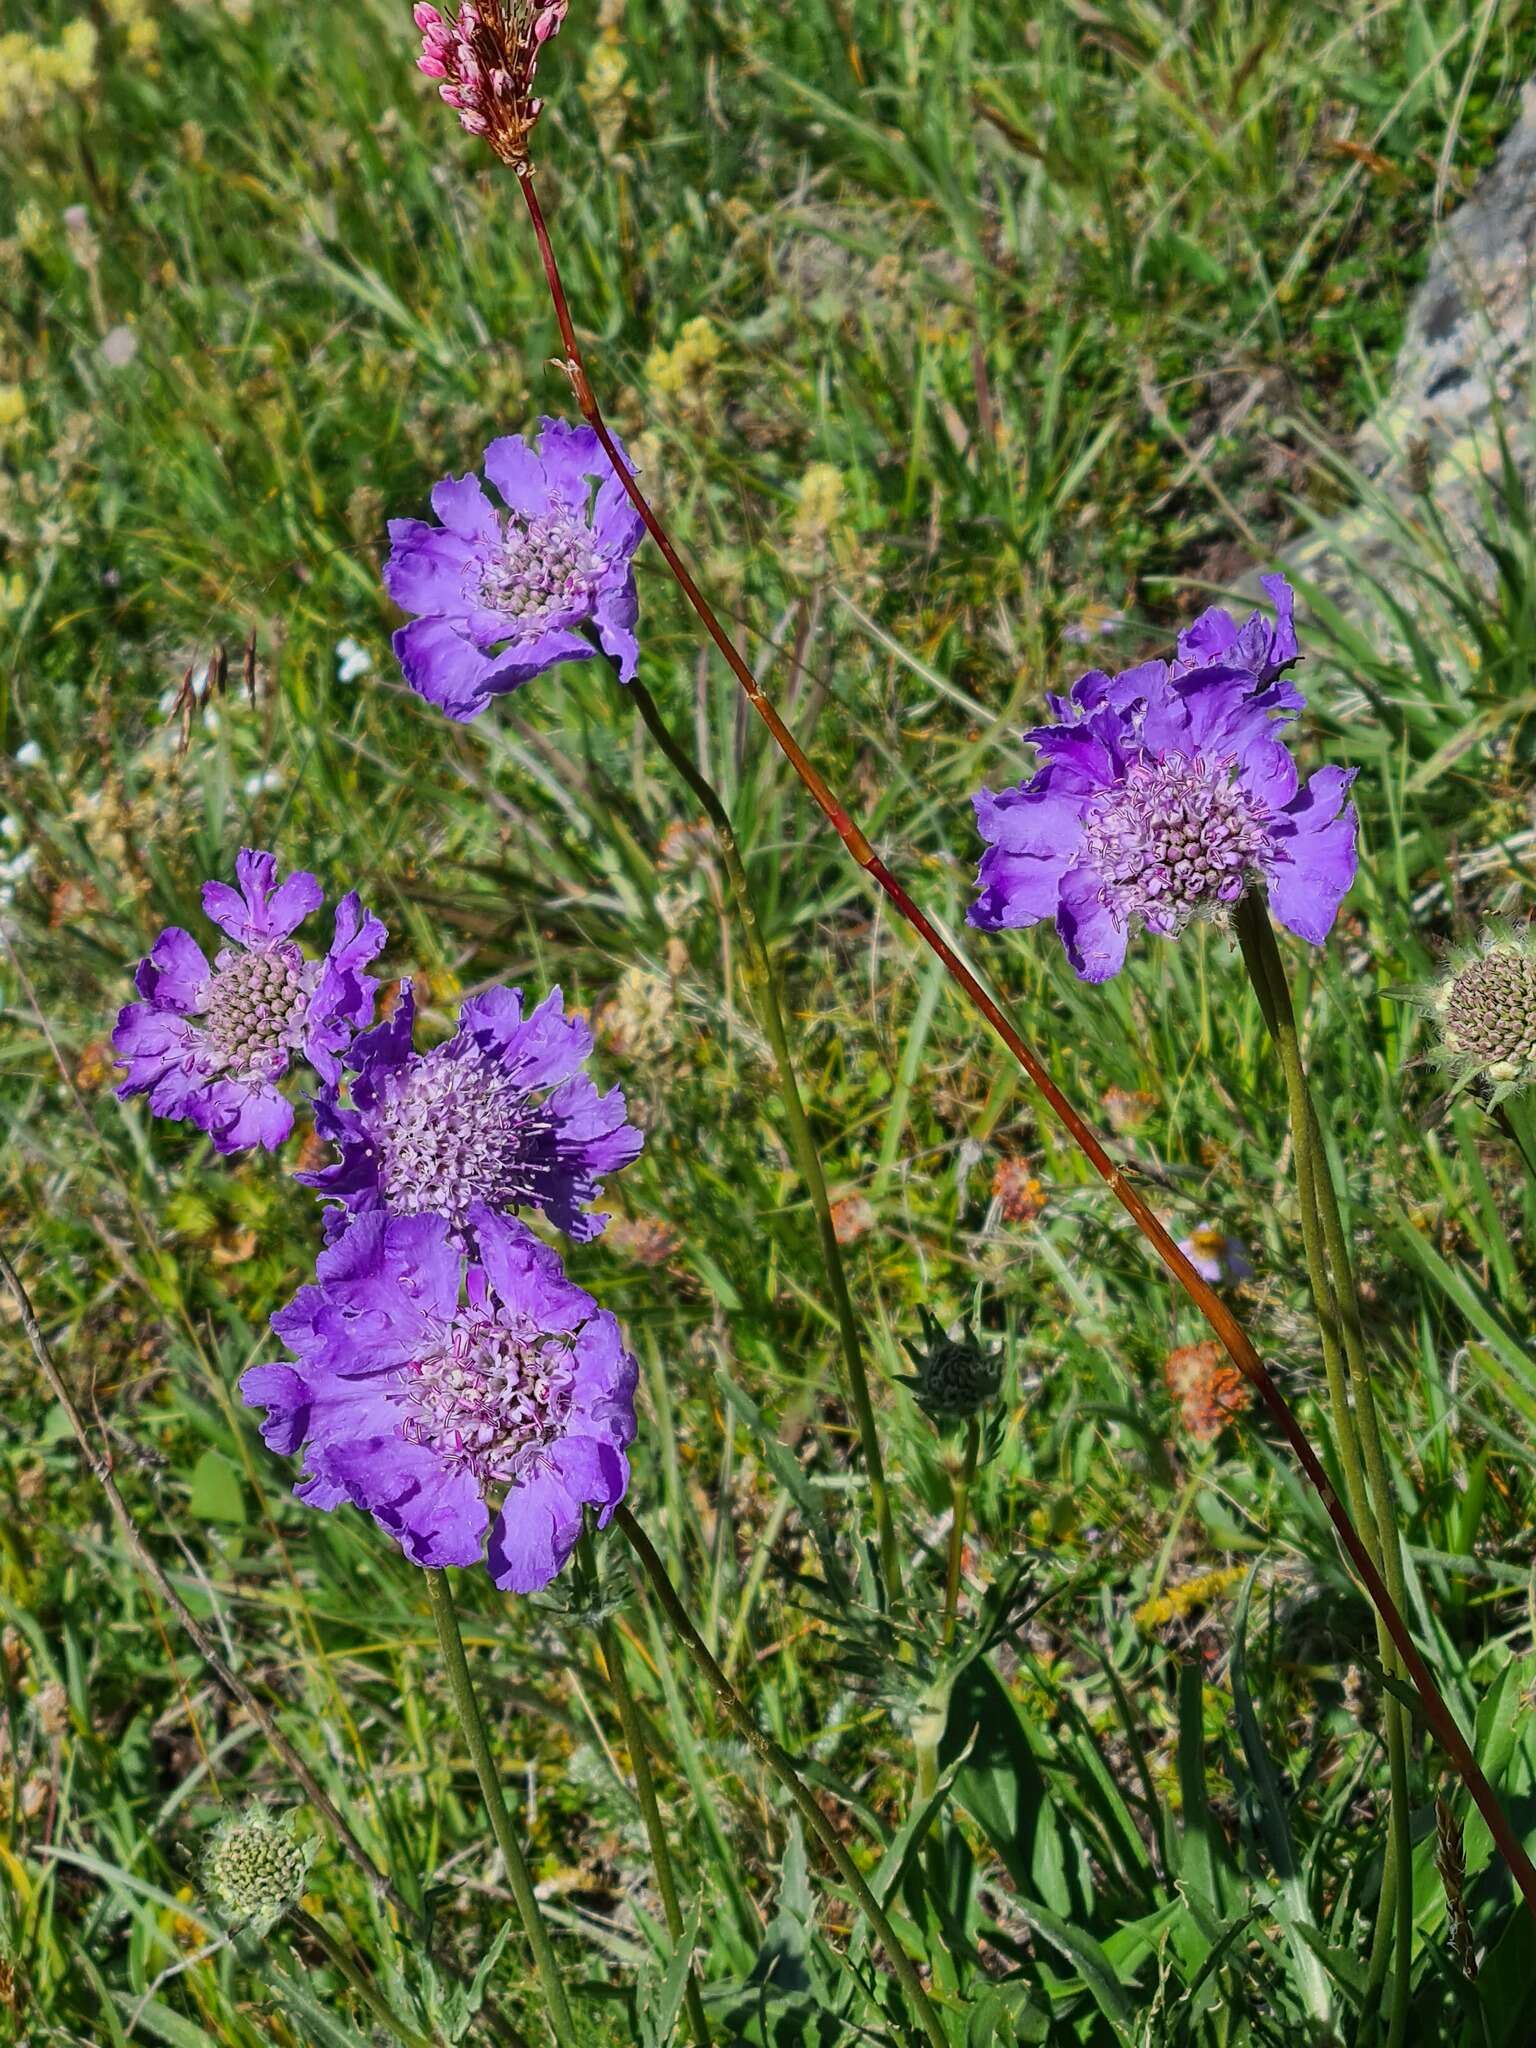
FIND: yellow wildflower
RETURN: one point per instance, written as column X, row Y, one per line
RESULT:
column 677, row 371
column 1181, row 1600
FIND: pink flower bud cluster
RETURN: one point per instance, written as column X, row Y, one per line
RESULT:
column 486, row 56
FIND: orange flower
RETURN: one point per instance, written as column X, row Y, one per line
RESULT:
column 1020, row 1193
column 852, row 1218
column 1208, row 1387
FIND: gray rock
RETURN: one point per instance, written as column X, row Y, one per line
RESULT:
column 1463, row 380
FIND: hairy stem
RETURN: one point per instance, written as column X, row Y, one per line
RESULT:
column 782, row 1766
column 370, row 1996
column 802, row 1142
column 962, row 1491
column 650, row 1813
column 1233, row 1338
column 467, row 1707
column 1333, row 1293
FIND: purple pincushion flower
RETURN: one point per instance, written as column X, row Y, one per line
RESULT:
column 499, row 596
column 500, row 1115
column 1163, row 794
column 473, row 1408
column 209, row 1044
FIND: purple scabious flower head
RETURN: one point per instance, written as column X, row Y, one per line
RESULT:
column 209, row 1045
column 500, row 1116
column 473, row 1407
column 1215, row 1256
column 500, row 596
column 1163, row 794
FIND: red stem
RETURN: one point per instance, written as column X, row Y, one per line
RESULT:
column 1233, row 1337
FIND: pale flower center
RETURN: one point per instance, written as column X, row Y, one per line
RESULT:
column 256, row 1006
column 543, row 568
column 1178, row 839
column 487, row 1394
column 453, row 1129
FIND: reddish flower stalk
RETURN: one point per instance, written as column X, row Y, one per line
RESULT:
column 1224, row 1324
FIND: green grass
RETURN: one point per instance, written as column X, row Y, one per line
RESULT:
column 1070, row 303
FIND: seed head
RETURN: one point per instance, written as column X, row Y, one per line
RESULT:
column 956, row 1377
column 252, row 1868
column 1484, row 1006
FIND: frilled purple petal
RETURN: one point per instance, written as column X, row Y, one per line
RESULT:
column 1035, row 836
column 615, row 521
column 151, row 1042
column 1258, row 649
column 1315, row 856
column 319, row 1407
column 518, row 474
column 175, row 973
column 444, row 667
column 606, row 1377
column 462, row 506
column 618, row 607
column 238, row 1113
column 429, row 569
column 342, row 1004
column 526, row 1273
column 1095, row 941
column 541, row 1516
column 262, row 909
column 538, row 1050
column 434, row 1512
column 573, row 459
column 1267, row 772
column 388, row 1276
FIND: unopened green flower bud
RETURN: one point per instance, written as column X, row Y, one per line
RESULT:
column 956, row 1377
column 252, row 1868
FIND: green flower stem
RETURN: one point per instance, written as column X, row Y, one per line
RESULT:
column 366, row 1992
column 650, row 1813
column 802, row 1143
column 1357, row 1429
column 456, row 1665
column 782, row 1766
column 962, row 1490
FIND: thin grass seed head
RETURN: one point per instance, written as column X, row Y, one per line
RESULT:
column 484, row 57
column 252, row 1868
column 1163, row 794
column 1484, row 1011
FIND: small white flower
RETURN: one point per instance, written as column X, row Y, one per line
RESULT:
column 11, row 827
column 119, row 346
column 29, row 755
column 352, row 660
column 264, row 784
